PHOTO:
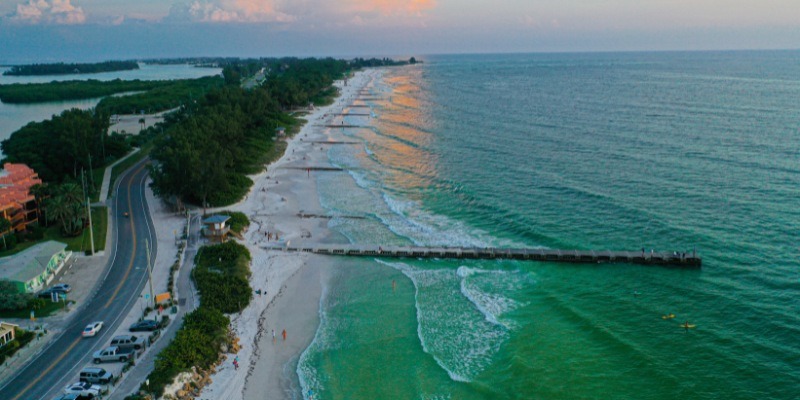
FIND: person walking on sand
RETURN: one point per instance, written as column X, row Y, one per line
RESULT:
column 284, row 335
column 273, row 336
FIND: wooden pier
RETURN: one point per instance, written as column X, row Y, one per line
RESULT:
column 683, row 260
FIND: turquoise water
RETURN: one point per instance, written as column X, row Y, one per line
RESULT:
column 671, row 151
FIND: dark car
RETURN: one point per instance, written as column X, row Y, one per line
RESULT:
column 144, row 325
column 48, row 293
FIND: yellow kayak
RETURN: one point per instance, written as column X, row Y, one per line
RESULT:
column 668, row 316
column 687, row 326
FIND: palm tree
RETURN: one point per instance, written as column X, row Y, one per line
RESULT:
column 40, row 192
column 58, row 209
column 5, row 225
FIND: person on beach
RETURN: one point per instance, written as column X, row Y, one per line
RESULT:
column 284, row 335
column 273, row 336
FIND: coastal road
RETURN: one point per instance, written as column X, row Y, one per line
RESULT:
column 122, row 280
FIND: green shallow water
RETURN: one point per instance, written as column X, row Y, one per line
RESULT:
column 672, row 151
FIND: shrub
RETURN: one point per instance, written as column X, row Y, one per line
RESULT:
column 221, row 276
column 238, row 220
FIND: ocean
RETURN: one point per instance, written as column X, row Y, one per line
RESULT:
column 695, row 151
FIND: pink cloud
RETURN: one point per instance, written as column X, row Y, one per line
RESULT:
column 229, row 11
column 60, row 12
column 391, row 7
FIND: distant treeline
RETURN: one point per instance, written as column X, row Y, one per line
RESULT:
column 19, row 93
column 64, row 69
column 166, row 96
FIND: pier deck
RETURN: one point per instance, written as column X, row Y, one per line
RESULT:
column 684, row 260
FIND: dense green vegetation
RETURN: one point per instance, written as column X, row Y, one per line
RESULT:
column 64, row 69
column 71, row 90
column 22, row 338
column 204, row 158
column 60, row 148
column 169, row 95
column 19, row 305
column 221, row 274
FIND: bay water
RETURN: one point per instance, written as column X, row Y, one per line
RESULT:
column 15, row 116
column 669, row 151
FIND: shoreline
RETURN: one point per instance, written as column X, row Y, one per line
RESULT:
column 293, row 282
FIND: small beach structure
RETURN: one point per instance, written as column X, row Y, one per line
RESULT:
column 35, row 267
column 280, row 132
column 6, row 333
column 216, row 228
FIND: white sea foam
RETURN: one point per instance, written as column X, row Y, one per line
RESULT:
column 491, row 305
column 306, row 373
column 450, row 329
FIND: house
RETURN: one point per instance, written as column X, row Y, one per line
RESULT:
column 216, row 228
column 7, row 333
column 280, row 132
column 17, row 204
column 30, row 270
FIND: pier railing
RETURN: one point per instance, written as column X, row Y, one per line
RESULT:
column 675, row 259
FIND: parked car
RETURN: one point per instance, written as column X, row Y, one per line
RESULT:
column 48, row 293
column 113, row 354
column 92, row 329
column 96, row 375
column 144, row 325
column 83, row 389
column 62, row 287
column 71, row 396
column 74, row 396
column 129, row 341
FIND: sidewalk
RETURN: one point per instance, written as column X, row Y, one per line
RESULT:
column 107, row 176
column 188, row 301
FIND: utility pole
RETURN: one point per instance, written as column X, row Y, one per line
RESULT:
column 88, row 210
column 150, row 272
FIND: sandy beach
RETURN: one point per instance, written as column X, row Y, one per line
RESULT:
column 293, row 282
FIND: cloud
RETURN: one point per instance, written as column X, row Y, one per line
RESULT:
column 391, row 7
column 228, row 11
column 60, row 12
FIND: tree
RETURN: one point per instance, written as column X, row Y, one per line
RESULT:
column 41, row 192
column 412, row 60
column 5, row 225
column 10, row 298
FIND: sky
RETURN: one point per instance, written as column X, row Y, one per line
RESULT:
column 94, row 30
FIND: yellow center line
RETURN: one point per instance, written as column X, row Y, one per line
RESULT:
column 48, row 369
column 119, row 286
column 133, row 251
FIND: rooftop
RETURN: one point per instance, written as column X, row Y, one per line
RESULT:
column 30, row 263
column 216, row 219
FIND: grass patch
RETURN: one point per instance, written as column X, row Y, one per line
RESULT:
column 75, row 243
column 49, row 309
column 82, row 242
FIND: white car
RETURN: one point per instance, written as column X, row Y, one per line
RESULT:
column 92, row 329
column 83, row 389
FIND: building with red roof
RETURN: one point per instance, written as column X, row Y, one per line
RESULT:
column 17, row 204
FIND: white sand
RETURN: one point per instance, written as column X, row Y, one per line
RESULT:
column 293, row 282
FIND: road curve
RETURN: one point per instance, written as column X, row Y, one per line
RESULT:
column 124, row 277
